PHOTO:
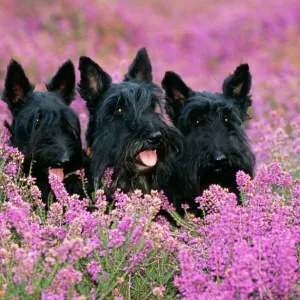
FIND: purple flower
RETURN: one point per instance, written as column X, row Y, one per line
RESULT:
column 107, row 178
column 94, row 269
column 116, row 238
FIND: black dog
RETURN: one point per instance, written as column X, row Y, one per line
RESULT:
column 216, row 144
column 44, row 128
column 128, row 128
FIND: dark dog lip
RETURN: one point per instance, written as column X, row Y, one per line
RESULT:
column 217, row 169
column 66, row 166
column 140, row 167
column 53, row 165
column 218, row 166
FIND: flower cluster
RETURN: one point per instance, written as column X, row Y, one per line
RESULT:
column 249, row 250
column 69, row 251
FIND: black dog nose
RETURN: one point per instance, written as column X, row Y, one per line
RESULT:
column 219, row 157
column 155, row 137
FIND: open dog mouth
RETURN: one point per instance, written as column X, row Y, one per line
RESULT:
column 147, row 158
column 59, row 172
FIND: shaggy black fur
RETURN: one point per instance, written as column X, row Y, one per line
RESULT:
column 126, row 119
column 216, row 144
column 44, row 128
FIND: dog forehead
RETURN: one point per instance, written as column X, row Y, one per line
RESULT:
column 210, row 102
column 212, row 110
column 49, row 101
column 211, row 97
column 133, row 93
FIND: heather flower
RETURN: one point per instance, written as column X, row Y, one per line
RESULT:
column 158, row 291
column 35, row 193
column 94, row 269
column 59, row 190
column 81, row 175
column 107, row 178
column 166, row 205
column 55, row 214
column 11, row 168
column 101, row 202
column 69, row 250
column 137, row 234
column 155, row 204
column 213, row 199
column 296, row 189
column 116, row 238
column 64, row 282
column 92, row 244
column 77, row 225
column 24, row 265
column 28, row 289
column 125, row 224
column 185, row 206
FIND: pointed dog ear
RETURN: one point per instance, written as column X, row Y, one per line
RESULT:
column 175, row 87
column 17, row 85
column 237, row 86
column 94, row 81
column 141, row 69
column 63, row 82
column 239, row 83
column 177, row 93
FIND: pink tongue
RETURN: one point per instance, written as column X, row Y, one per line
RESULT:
column 148, row 158
column 58, row 172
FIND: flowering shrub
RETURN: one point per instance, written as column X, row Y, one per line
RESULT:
column 247, row 251
column 70, row 251
column 128, row 250
column 90, row 249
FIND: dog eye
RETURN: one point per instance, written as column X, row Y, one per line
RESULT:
column 197, row 122
column 120, row 109
column 37, row 121
column 227, row 118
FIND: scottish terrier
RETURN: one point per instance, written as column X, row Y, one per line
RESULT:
column 128, row 128
column 44, row 128
column 216, row 144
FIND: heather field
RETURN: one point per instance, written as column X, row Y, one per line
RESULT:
column 249, row 251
